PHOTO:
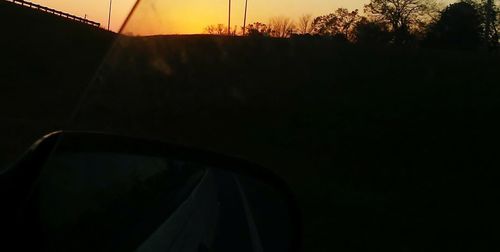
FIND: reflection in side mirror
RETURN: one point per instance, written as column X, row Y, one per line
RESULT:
column 106, row 193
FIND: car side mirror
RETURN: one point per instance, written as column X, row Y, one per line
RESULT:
column 96, row 192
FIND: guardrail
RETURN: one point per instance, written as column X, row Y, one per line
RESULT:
column 55, row 12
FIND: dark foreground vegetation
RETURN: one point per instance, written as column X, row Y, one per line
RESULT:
column 387, row 148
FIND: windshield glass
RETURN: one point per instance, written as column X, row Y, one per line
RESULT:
column 367, row 108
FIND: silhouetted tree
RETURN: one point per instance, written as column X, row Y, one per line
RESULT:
column 281, row 27
column 258, row 29
column 305, row 24
column 340, row 24
column 490, row 14
column 371, row 32
column 218, row 29
column 459, row 27
column 402, row 16
column 234, row 31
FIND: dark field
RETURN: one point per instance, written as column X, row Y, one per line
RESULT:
column 385, row 148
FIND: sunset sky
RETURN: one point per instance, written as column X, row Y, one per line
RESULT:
column 192, row 16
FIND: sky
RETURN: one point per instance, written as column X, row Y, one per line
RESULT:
column 96, row 10
column 192, row 16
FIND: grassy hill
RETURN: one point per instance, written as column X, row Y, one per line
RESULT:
column 386, row 148
column 45, row 62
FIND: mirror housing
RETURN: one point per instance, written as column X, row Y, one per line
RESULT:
column 94, row 191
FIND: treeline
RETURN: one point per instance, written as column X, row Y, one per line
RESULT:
column 467, row 25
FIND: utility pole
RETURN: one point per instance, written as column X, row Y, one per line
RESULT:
column 229, row 20
column 245, row 18
column 109, row 16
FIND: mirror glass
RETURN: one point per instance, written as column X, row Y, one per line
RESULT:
column 105, row 201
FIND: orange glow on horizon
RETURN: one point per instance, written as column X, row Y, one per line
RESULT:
column 192, row 16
